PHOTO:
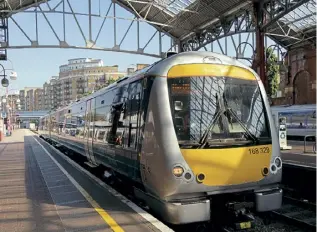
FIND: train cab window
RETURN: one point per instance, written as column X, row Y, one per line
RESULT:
column 219, row 107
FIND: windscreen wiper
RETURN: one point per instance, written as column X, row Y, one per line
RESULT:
column 203, row 139
column 235, row 116
column 218, row 113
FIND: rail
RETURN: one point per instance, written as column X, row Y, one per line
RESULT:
column 305, row 141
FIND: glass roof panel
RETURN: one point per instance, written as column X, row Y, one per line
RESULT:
column 301, row 18
column 174, row 7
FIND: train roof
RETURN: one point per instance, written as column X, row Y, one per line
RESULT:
column 162, row 67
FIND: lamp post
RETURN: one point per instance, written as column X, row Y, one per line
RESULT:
column 4, row 80
column 13, row 75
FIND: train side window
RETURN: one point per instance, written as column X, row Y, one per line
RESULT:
column 116, row 123
column 77, row 120
column 133, row 110
column 299, row 120
column 311, row 120
column 89, row 118
column 102, row 121
column 116, row 117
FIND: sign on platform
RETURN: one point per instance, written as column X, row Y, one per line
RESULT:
column 282, row 134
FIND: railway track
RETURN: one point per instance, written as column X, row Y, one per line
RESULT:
column 299, row 213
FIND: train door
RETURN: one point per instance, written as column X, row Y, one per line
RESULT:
column 89, row 124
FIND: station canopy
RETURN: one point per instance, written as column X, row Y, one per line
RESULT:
column 180, row 18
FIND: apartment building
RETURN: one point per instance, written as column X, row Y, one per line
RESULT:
column 84, row 75
column 29, row 100
column 76, row 79
column 26, row 97
column 11, row 101
column 22, row 99
column 51, row 95
column 137, row 67
column 38, row 99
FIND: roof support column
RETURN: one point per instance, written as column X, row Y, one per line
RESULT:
column 179, row 46
column 259, row 63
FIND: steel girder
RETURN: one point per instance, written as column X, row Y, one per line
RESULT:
column 129, row 37
column 273, row 10
column 241, row 22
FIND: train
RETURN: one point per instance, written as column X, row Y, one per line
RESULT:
column 192, row 133
column 300, row 119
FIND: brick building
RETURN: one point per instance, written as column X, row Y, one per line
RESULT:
column 298, row 84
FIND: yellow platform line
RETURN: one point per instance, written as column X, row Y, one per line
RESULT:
column 105, row 216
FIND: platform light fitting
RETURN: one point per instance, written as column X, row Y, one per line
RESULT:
column 5, row 82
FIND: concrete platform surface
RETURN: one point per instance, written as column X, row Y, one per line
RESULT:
column 40, row 194
column 16, row 137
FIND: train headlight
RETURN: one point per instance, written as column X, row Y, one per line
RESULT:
column 273, row 169
column 178, row 171
column 278, row 162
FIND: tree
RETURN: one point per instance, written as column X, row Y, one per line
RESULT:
column 272, row 71
column 87, row 93
column 111, row 80
column 99, row 86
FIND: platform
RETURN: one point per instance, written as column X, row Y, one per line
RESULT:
column 297, row 155
column 41, row 191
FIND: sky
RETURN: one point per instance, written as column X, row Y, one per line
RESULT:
column 34, row 66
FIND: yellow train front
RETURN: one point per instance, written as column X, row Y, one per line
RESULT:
column 209, row 139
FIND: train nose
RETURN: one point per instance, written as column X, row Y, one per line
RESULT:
column 231, row 166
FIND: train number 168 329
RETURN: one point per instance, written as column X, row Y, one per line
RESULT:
column 260, row 150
